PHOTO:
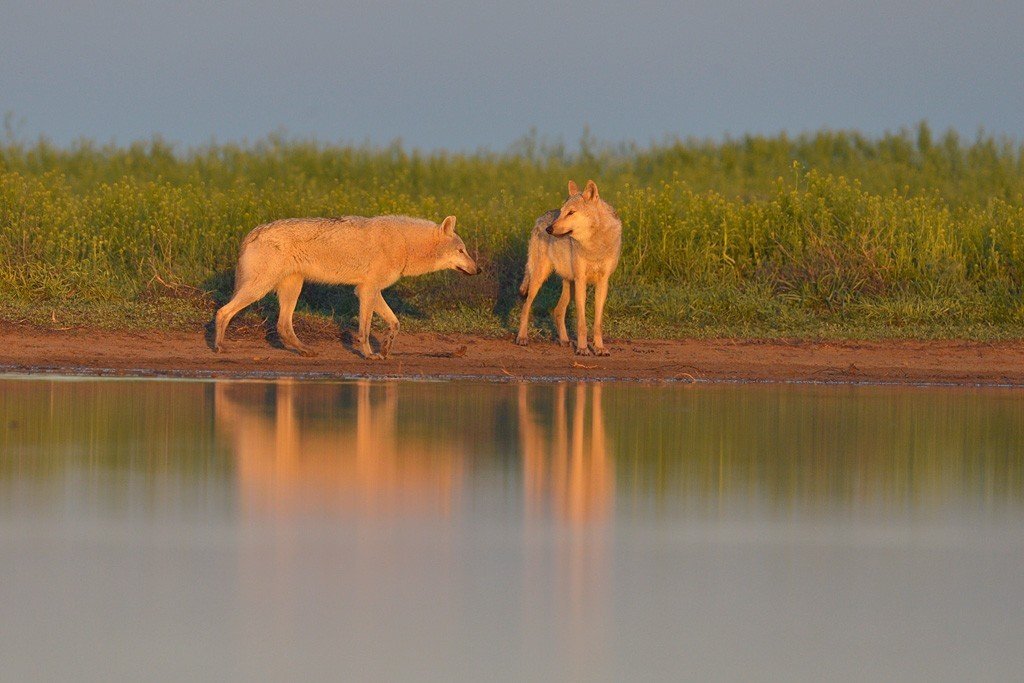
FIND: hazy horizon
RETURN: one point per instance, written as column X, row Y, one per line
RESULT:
column 463, row 76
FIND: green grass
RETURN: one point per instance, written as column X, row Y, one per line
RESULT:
column 831, row 234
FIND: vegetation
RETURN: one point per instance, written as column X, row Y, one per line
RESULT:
column 830, row 234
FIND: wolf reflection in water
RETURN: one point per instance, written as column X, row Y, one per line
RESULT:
column 567, row 466
column 348, row 447
column 297, row 456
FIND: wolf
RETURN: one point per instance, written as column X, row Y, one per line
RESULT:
column 370, row 253
column 581, row 242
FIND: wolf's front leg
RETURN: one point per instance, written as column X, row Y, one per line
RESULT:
column 600, row 294
column 580, row 290
column 367, row 301
column 384, row 311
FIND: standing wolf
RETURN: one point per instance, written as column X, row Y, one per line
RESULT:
column 370, row 253
column 581, row 242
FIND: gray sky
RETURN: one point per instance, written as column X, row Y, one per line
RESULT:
column 460, row 75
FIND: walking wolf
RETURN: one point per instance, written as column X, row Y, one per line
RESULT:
column 370, row 253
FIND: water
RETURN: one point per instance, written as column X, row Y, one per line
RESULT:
column 361, row 530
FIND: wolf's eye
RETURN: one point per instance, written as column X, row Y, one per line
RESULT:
column 569, row 213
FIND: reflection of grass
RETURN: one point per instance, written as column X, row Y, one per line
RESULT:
column 787, row 446
column 820, row 446
column 831, row 234
column 47, row 426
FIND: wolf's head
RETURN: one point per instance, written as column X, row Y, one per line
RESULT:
column 580, row 213
column 451, row 250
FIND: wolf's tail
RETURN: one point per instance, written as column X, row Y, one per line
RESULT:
column 531, row 257
column 534, row 258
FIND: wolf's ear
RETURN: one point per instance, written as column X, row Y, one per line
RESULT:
column 590, row 191
column 448, row 225
column 573, row 188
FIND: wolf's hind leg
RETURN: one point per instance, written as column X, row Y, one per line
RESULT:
column 382, row 309
column 288, row 291
column 537, row 278
column 246, row 294
column 559, row 314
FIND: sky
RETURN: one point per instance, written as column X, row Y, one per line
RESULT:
column 464, row 75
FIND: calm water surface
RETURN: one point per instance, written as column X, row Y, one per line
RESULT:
column 381, row 531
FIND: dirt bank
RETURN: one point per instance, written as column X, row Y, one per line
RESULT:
column 29, row 349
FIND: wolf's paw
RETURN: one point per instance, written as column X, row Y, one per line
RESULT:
column 374, row 356
column 601, row 351
column 522, row 341
column 583, row 350
column 219, row 348
column 564, row 343
column 308, row 353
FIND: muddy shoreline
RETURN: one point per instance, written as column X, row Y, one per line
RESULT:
column 81, row 351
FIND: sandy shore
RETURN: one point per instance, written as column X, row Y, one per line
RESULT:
column 424, row 355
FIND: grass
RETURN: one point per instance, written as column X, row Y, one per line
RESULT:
column 826, row 235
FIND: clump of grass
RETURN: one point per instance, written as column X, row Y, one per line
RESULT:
column 827, row 234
